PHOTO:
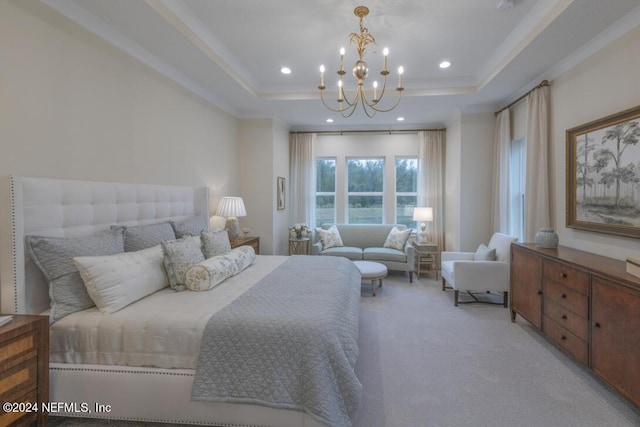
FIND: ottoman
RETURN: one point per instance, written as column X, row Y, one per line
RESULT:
column 372, row 271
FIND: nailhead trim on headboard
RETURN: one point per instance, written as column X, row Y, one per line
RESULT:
column 14, row 258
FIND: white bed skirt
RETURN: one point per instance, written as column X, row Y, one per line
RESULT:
column 153, row 395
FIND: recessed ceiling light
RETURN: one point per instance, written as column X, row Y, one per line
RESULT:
column 445, row 64
column 285, row 70
column 400, row 119
column 329, row 120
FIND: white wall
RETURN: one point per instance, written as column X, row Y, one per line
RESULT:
column 604, row 84
column 366, row 145
column 281, row 221
column 475, row 180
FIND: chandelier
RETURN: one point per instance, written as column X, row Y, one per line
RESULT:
column 360, row 71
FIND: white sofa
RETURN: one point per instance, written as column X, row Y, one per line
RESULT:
column 462, row 273
column 365, row 242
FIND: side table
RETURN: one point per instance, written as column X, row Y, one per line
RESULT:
column 427, row 255
column 299, row 246
column 247, row 241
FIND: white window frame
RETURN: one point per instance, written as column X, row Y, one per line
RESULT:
column 403, row 193
column 328, row 193
column 370, row 193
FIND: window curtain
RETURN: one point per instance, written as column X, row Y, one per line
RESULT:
column 302, row 178
column 500, row 178
column 431, row 151
column 537, row 208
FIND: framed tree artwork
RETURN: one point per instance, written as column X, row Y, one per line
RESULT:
column 280, row 191
column 603, row 175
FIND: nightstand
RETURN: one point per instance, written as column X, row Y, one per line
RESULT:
column 24, row 368
column 247, row 241
column 427, row 255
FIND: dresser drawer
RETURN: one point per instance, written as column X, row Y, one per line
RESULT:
column 566, row 275
column 21, row 418
column 566, row 297
column 20, row 378
column 567, row 340
column 567, row 318
column 16, row 349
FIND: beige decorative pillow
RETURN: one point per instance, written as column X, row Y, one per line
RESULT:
column 484, row 253
column 397, row 239
column 330, row 238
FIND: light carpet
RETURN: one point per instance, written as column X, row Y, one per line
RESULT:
column 424, row 362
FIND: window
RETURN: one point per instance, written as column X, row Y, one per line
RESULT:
column 406, row 190
column 325, row 191
column 516, row 188
column 365, row 179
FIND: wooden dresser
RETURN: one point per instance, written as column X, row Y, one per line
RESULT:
column 24, row 370
column 587, row 304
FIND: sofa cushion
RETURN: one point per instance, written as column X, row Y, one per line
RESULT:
column 330, row 238
column 345, row 251
column 384, row 254
column 397, row 239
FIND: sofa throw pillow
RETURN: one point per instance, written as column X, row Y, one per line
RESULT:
column 330, row 238
column 191, row 226
column 397, row 239
column 54, row 257
column 215, row 243
column 484, row 253
column 138, row 237
column 211, row 272
column 115, row 281
column 178, row 256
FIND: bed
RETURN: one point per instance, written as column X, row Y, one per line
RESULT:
column 143, row 380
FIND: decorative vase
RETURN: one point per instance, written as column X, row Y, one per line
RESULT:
column 546, row 238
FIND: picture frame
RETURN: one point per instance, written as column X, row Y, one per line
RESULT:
column 603, row 175
column 280, row 192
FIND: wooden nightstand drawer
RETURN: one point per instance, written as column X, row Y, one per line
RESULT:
column 20, row 377
column 567, row 340
column 566, row 297
column 566, row 275
column 21, row 418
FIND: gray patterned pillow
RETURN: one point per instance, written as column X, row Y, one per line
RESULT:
column 215, row 243
column 179, row 255
column 54, row 257
column 191, row 226
column 330, row 238
column 397, row 239
column 140, row 237
column 484, row 253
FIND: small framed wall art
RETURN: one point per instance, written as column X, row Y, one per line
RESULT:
column 280, row 191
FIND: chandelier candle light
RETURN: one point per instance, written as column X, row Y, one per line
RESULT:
column 360, row 72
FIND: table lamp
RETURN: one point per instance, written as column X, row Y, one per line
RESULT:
column 422, row 215
column 232, row 208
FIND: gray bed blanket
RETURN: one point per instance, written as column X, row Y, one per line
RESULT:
column 290, row 342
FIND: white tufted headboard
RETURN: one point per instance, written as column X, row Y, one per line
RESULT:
column 63, row 208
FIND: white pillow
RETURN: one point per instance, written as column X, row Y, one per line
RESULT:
column 484, row 253
column 397, row 239
column 211, row 272
column 115, row 281
column 330, row 238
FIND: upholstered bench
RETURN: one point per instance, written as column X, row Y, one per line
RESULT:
column 373, row 271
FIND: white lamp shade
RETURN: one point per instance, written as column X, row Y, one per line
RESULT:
column 423, row 214
column 231, row 206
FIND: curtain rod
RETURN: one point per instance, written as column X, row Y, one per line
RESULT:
column 390, row 132
column 542, row 84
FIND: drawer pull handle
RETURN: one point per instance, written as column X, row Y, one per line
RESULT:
column 539, row 292
column 563, row 275
column 562, row 337
column 564, row 296
column 596, row 324
column 564, row 317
